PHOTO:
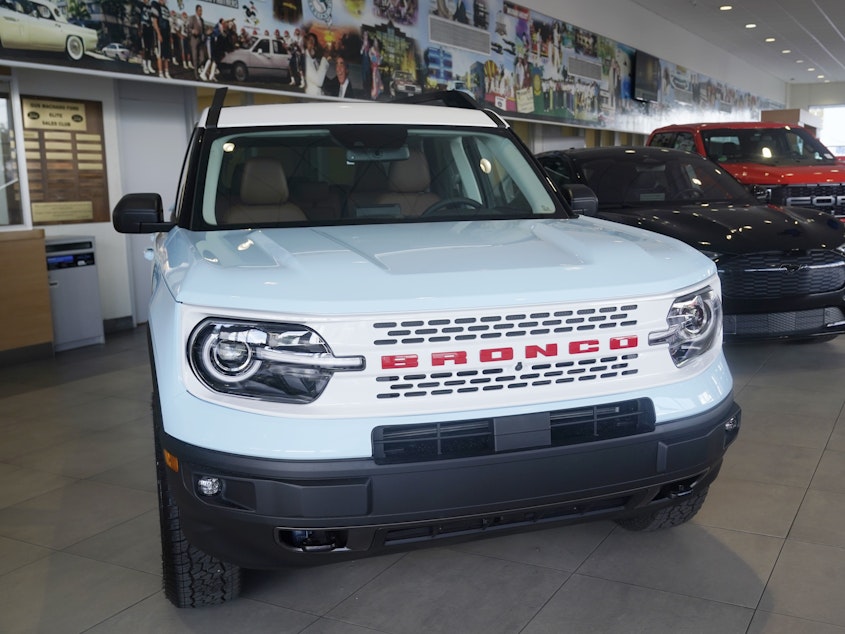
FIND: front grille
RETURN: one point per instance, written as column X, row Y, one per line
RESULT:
column 495, row 326
column 829, row 198
column 481, row 437
column 774, row 275
column 494, row 379
column 786, row 323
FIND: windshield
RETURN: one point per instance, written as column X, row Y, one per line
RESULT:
column 634, row 180
column 366, row 173
column 775, row 146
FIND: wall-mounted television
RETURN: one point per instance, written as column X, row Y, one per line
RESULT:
column 646, row 76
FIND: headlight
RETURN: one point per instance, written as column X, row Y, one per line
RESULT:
column 695, row 324
column 286, row 363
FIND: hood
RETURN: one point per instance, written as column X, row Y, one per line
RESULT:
column 737, row 229
column 423, row 266
column 793, row 174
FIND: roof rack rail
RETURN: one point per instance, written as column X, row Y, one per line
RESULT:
column 450, row 98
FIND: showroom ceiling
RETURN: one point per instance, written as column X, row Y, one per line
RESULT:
column 812, row 31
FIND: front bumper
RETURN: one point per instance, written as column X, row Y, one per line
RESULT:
column 274, row 513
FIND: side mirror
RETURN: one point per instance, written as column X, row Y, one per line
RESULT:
column 582, row 199
column 140, row 213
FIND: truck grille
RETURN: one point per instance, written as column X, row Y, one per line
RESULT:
column 481, row 437
column 787, row 323
column 491, row 379
column 773, row 275
column 829, row 198
column 495, row 326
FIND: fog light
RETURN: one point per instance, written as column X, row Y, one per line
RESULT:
column 209, row 486
column 732, row 424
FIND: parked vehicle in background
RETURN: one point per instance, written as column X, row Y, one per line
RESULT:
column 377, row 326
column 264, row 58
column 782, row 269
column 39, row 25
column 787, row 163
column 117, row 51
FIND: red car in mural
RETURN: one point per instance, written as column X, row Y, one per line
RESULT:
column 786, row 163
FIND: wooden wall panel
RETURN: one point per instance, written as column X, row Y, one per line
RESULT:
column 25, row 318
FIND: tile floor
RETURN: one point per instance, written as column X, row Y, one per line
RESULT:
column 79, row 548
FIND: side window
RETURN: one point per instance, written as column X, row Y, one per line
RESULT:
column 663, row 139
column 685, row 141
column 559, row 170
column 723, row 149
column 263, row 47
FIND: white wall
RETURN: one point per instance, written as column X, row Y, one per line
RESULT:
column 111, row 250
column 806, row 96
column 113, row 266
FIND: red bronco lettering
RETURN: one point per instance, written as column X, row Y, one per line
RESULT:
column 494, row 355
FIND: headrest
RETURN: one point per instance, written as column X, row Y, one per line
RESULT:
column 410, row 175
column 263, row 182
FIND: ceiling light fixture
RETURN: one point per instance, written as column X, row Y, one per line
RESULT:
column 819, row 76
column 725, row 7
column 799, row 61
column 811, row 69
column 786, row 50
column 751, row 26
column 770, row 39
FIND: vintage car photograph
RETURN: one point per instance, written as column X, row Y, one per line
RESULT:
column 117, row 51
column 782, row 268
column 403, row 84
column 39, row 25
column 263, row 58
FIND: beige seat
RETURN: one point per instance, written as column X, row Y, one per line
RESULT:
column 408, row 185
column 262, row 197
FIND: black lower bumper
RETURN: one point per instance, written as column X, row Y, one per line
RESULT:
column 272, row 513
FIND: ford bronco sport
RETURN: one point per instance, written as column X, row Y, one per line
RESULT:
column 375, row 326
column 785, row 163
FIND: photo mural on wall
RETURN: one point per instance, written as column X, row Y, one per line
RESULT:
column 503, row 54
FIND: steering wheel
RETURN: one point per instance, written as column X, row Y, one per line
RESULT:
column 690, row 193
column 449, row 203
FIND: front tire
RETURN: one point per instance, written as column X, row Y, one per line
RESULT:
column 74, row 48
column 191, row 577
column 667, row 517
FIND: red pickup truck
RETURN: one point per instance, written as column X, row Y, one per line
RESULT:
column 786, row 162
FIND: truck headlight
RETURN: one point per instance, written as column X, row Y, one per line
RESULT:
column 287, row 363
column 694, row 325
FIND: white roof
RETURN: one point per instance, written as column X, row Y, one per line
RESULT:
column 341, row 113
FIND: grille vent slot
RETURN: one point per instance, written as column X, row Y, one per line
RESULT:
column 463, row 439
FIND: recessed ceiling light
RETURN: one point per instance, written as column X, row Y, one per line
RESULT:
column 819, row 76
column 811, row 69
column 725, row 7
column 770, row 39
column 799, row 61
column 751, row 26
column 786, row 50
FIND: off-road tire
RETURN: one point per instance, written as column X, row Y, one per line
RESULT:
column 668, row 516
column 191, row 577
